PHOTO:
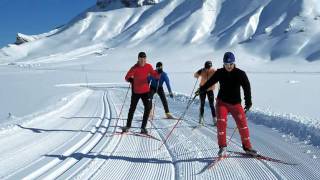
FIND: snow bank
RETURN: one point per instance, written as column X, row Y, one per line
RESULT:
column 303, row 128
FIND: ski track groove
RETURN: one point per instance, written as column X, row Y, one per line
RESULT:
column 93, row 143
column 89, row 123
column 104, row 162
column 245, row 166
column 10, row 155
column 134, row 171
column 96, row 163
column 52, row 163
column 187, row 151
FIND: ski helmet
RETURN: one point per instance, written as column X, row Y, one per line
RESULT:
column 229, row 58
column 208, row 64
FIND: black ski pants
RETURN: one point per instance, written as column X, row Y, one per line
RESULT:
column 162, row 96
column 146, row 100
column 210, row 96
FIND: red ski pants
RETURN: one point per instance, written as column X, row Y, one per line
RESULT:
column 239, row 116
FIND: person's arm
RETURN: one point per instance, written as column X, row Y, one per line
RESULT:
column 197, row 74
column 130, row 75
column 211, row 81
column 154, row 73
column 167, row 81
column 246, row 90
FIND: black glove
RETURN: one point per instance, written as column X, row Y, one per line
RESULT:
column 247, row 107
column 171, row 95
column 198, row 92
column 130, row 80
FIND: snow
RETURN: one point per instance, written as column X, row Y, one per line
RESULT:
column 63, row 93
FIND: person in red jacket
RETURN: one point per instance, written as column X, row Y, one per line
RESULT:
column 138, row 77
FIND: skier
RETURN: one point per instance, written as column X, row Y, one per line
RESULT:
column 204, row 74
column 138, row 77
column 156, row 86
column 229, row 100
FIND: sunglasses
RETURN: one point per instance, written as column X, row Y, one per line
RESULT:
column 230, row 64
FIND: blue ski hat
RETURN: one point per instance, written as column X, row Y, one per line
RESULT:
column 229, row 57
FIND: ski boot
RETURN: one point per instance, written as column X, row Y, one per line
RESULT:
column 144, row 131
column 250, row 151
column 169, row 116
column 214, row 121
column 201, row 120
column 125, row 129
column 222, row 152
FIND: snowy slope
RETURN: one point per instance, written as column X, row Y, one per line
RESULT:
column 269, row 29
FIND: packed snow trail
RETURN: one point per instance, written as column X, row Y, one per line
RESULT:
column 56, row 147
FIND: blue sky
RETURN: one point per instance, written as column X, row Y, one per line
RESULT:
column 36, row 16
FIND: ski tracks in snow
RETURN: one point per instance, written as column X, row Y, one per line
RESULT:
column 103, row 153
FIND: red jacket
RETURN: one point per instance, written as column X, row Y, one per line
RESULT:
column 140, row 77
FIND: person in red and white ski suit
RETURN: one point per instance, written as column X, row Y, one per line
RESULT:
column 229, row 100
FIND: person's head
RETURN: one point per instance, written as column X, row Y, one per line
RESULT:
column 208, row 64
column 142, row 58
column 228, row 61
column 159, row 65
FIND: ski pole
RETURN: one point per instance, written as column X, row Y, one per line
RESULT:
column 182, row 115
column 154, row 104
column 125, row 98
column 235, row 129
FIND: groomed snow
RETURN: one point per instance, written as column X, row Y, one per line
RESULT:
column 61, row 95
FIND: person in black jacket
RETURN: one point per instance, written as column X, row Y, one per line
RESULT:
column 229, row 100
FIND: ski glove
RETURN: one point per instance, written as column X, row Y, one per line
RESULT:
column 247, row 107
column 198, row 92
column 130, row 80
column 171, row 95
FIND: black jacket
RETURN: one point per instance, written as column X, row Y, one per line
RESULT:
column 230, row 82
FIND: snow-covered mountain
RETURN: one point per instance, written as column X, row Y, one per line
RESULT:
column 269, row 29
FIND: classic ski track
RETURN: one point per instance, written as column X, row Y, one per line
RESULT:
column 44, row 138
column 88, row 124
column 228, row 162
column 132, row 168
column 93, row 142
column 244, row 166
column 52, row 163
column 90, row 167
column 201, row 141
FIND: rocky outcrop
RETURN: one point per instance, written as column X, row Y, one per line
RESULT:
column 127, row 3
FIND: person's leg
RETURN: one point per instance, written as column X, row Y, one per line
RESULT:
column 239, row 116
column 222, row 113
column 134, row 101
column 202, row 102
column 163, row 99
column 211, row 103
column 151, row 94
column 147, row 107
